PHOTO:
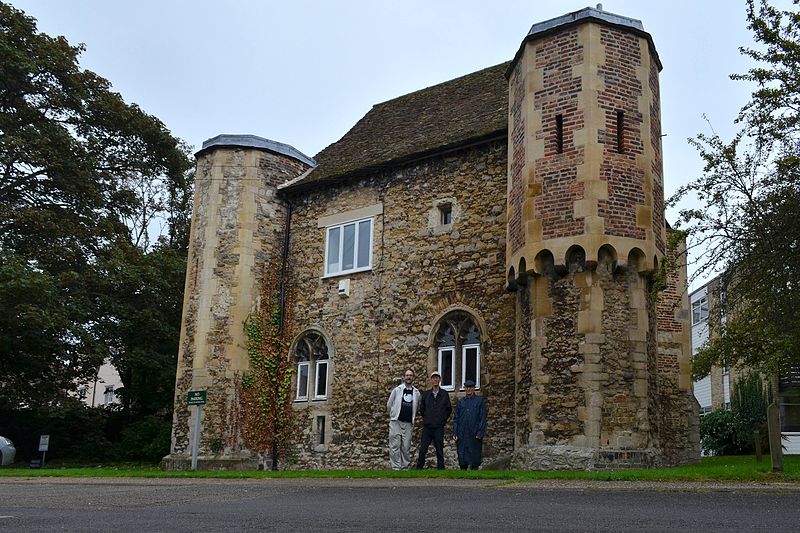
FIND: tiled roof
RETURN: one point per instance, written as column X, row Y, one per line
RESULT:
column 421, row 123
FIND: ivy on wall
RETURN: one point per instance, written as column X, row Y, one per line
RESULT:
column 265, row 397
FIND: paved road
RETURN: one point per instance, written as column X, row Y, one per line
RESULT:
column 119, row 505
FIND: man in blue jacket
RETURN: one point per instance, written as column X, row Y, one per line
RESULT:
column 435, row 409
column 469, row 427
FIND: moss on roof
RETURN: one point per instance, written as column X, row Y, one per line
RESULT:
column 447, row 115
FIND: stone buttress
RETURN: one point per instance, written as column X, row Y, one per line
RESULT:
column 586, row 236
column 237, row 228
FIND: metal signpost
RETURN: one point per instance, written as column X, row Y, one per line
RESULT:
column 44, row 444
column 198, row 399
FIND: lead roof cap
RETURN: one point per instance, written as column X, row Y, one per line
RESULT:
column 587, row 14
column 254, row 141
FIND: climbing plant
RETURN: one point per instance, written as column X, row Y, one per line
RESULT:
column 265, row 396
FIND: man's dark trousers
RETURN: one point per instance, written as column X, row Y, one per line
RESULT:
column 435, row 434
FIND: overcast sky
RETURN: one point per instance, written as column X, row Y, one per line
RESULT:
column 303, row 72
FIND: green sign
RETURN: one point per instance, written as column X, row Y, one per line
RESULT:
column 197, row 397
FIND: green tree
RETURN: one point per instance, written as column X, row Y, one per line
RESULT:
column 84, row 176
column 746, row 225
column 730, row 432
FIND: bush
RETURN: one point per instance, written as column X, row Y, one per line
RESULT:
column 718, row 433
column 85, row 434
column 147, row 440
column 724, row 432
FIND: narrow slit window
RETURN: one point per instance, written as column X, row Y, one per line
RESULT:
column 559, row 134
column 620, row 131
column 320, row 430
column 446, row 214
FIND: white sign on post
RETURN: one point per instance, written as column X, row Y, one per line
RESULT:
column 44, row 442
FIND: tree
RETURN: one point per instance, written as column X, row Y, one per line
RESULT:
column 83, row 174
column 747, row 225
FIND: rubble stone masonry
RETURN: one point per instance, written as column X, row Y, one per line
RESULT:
column 421, row 271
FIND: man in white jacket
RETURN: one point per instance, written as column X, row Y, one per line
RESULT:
column 402, row 406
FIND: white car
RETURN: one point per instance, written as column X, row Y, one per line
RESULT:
column 7, row 451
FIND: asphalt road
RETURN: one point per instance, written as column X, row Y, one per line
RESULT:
column 204, row 505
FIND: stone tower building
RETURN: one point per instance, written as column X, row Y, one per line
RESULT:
column 586, row 234
column 394, row 239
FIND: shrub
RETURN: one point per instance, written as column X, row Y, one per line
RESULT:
column 718, row 433
column 147, row 440
column 724, row 432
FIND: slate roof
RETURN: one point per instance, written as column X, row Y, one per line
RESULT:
column 452, row 114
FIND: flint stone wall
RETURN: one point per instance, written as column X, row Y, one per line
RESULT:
column 421, row 271
column 237, row 227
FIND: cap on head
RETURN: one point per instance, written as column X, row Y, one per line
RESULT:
column 469, row 383
column 436, row 374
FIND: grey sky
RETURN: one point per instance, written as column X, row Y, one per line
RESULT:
column 303, row 72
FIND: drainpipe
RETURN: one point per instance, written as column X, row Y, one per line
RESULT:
column 284, row 261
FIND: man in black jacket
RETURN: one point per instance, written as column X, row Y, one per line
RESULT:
column 435, row 409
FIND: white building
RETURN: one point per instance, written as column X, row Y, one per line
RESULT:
column 103, row 389
column 714, row 391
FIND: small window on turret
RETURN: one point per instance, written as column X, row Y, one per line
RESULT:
column 559, row 134
column 620, row 131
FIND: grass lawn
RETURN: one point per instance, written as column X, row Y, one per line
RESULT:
column 726, row 468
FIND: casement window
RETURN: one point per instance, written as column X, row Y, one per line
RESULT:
column 321, row 380
column 459, row 351
column 302, row 380
column 471, row 364
column 447, row 367
column 348, row 247
column 700, row 310
column 311, row 354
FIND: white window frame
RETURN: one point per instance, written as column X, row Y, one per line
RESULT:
column 298, row 396
column 341, row 227
column 699, row 304
column 452, row 350
column 464, row 349
column 317, row 374
column 108, row 395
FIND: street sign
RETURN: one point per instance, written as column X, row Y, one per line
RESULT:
column 196, row 397
column 44, row 442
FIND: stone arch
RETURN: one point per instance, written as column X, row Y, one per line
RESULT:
column 313, row 353
column 458, row 341
column 311, row 330
column 607, row 258
column 479, row 321
column 511, row 279
column 523, row 266
column 544, row 263
column 575, row 259
column 637, row 260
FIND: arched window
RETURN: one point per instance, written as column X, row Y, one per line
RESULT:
column 458, row 343
column 311, row 354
